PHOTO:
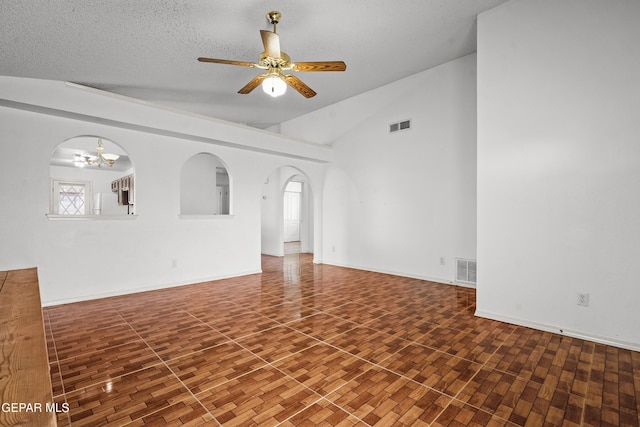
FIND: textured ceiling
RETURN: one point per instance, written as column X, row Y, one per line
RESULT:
column 147, row 49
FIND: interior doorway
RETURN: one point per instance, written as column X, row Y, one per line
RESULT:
column 287, row 213
column 291, row 211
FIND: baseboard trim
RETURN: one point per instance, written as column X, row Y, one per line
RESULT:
column 279, row 254
column 560, row 331
column 283, row 253
column 146, row 289
column 399, row 274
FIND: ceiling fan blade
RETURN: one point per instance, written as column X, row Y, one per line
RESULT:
column 299, row 85
column 254, row 83
column 319, row 66
column 271, row 42
column 227, row 61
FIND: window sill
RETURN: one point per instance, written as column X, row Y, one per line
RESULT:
column 200, row 216
column 56, row 217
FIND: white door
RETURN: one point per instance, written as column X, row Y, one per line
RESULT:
column 291, row 216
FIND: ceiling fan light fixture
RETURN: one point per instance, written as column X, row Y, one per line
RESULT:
column 275, row 61
column 274, row 86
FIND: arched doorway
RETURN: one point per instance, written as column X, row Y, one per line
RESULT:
column 287, row 213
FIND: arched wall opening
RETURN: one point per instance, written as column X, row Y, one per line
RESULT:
column 83, row 185
column 274, row 231
column 205, row 186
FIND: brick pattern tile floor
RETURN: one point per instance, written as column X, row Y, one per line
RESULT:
column 316, row 345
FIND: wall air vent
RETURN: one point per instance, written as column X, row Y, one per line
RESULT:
column 398, row 126
column 466, row 271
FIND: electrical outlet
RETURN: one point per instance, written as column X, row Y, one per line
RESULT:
column 174, row 263
column 583, row 300
column 443, row 261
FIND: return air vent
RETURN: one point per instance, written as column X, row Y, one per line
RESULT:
column 398, row 126
column 466, row 271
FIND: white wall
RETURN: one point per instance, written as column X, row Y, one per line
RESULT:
column 399, row 202
column 271, row 207
column 559, row 166
column 82, row 259
column 308, row 222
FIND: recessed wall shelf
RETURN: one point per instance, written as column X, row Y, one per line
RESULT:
column 55, row 217
column 212, row 216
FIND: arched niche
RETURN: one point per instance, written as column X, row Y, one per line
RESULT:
column 205, row 186
column 275, row 230
column 82, row 186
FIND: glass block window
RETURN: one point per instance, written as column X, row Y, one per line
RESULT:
column 71, row 198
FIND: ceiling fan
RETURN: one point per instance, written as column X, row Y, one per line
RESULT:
column 274, row 81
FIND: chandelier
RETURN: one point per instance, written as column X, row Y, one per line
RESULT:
column 101, row 158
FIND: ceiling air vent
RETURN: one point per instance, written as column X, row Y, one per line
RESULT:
column 403, row 125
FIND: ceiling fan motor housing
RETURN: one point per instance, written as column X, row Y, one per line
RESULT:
column 274, row 17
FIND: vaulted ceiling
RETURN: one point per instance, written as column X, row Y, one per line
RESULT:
column 147, row 49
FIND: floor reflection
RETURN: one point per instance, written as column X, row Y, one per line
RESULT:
column 308, row 341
